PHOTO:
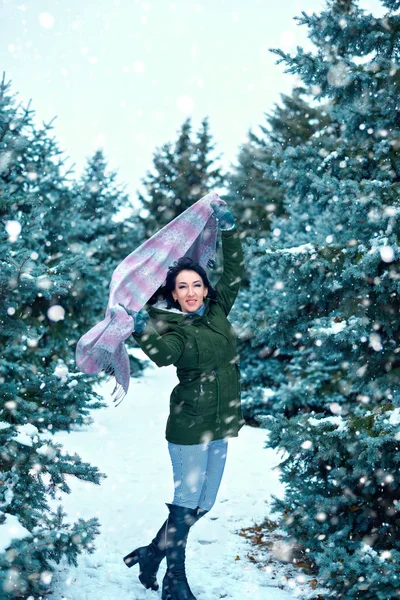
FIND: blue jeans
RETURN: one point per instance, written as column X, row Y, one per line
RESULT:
column 197, row 470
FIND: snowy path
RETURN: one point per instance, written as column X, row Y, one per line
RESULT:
column 127, row 443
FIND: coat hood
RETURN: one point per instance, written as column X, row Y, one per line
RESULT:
column 159, row 310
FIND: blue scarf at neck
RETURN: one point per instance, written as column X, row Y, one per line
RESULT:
column 200, row 311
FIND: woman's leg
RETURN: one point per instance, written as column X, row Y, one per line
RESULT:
column 197, row 472
column 189, row 466
column 216, row 459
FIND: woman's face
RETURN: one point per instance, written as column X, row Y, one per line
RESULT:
column 189, row 291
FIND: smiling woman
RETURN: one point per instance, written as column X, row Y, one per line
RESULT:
column 188, row 327
column 190, row 291
column 186, row 286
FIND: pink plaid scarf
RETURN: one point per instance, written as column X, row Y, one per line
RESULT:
column 193, row 233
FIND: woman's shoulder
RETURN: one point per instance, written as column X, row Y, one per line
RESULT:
column 165, row 319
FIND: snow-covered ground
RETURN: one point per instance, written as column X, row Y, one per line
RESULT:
column 128, row 444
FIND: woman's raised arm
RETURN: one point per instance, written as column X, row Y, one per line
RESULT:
column 228, row 286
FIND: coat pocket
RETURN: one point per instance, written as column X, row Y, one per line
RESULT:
column 239, row 385
column 199, row 398
column 191, row 397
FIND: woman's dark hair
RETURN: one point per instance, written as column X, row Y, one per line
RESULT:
column 183, row 264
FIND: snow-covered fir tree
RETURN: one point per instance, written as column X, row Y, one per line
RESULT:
column 323, row 307
column 40, row 392
column 258, row 196
column 254, row 196
column 183, row 171
column 104, row 232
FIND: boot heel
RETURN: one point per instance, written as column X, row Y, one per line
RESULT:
column 152, row 585
column 131, row 559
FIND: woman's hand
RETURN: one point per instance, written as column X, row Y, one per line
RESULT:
column 225, row 218
column 140, row 318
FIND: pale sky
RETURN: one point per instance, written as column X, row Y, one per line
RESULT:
column 124, row 74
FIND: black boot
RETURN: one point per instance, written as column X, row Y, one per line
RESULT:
column 175, row 585
column 149, row 557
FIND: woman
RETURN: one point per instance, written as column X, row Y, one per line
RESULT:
column 189, row 329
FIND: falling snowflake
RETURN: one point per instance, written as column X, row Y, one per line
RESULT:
column 307, row 445
column 61, row 371
column 46, row 577
column 139, row 66
column 339, row 75
column 46, row 20
column 375, row 342
column 185, row 104
column 56, row 313
column 387, row 254
column 13, row 229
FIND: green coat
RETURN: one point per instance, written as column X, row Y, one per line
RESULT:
column 205, row 405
